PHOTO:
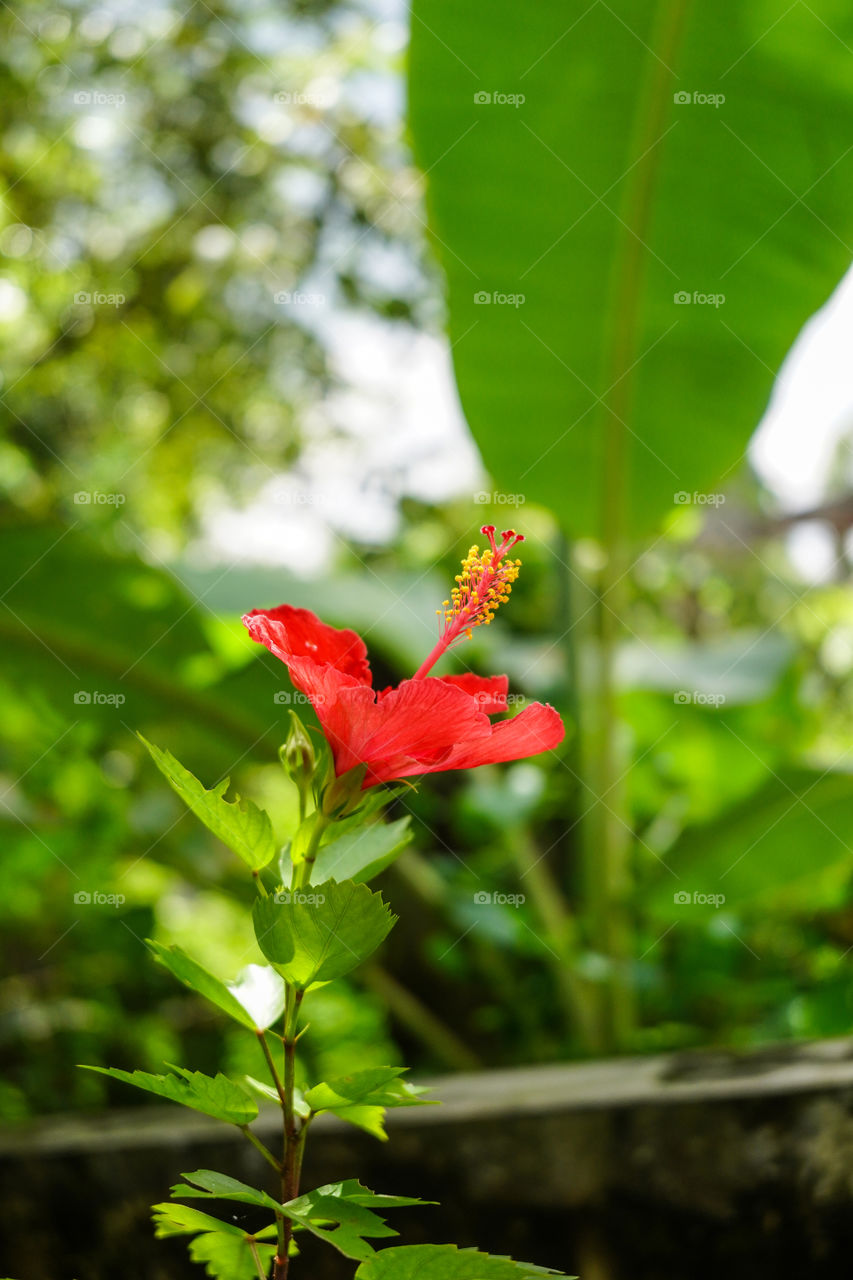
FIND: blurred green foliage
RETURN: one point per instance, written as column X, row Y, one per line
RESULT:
column 197, row 198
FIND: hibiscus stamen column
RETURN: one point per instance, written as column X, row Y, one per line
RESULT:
column 483, row 585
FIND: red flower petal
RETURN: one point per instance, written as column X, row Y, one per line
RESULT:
column 535, row 729
column 298, row 633
column 409, row 730
column 489, row 692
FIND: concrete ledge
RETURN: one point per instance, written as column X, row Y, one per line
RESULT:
column 592, row 1167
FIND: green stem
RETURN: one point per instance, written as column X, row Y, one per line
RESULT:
column 253, row 1248
column 559, row 924
column 293, row 1133
column 279, row 1088
column 302, row 870
column 265, row 1151
column 608, row 846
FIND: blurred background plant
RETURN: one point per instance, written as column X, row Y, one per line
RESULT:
column 227, row 384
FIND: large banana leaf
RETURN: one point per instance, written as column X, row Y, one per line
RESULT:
column 613, row 188
column 105, row 637
column 788, row 848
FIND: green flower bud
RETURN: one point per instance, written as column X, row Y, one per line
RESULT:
column 343, row 796
column 297, row 754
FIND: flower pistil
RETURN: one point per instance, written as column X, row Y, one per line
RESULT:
column 483, row 585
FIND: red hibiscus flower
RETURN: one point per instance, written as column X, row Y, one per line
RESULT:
column 426, row 724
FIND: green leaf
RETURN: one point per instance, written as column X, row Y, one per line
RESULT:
column 789, row 846
column 375, row 1086
column 223, row 1247
column 240, row 824
column 225, row 1258
column 371, row 804
column 321, row 934
column 603, row 196
column 370, row 1119
column 341, row 1214
column 361, row 854
column 220, row 1186
column 182, row 1219
column 197, row 978
column 363, row 1097
column 142, row 648
column 445, row 1262
column 216, row 1096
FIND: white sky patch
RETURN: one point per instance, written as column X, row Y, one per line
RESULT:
column 811, row 409
column 795, row 450
column 396, row 430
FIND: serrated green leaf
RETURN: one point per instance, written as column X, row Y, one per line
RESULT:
column 266, row 1091
column 225, row 1258
column 370, row 1119
column 197, row 978
column 262, row 1089
column 260, row 990
column 183, row 1219
column 216, row 1096
column 223, row 1247
column 221, row 1186
column 445, row 1262
column 341, row 1213
column 377, row 1086
column 322, row 934
column 362, row 853
column 239, row 823
column 352, row 1190
column 361, row 1098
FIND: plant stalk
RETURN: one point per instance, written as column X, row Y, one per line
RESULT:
column 609, row 841
column 293, row 1130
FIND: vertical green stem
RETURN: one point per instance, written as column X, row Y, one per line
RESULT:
column 611, row 824
column 293, row 1129
column 553, row 910
column 608, row 844
column 258, row 1264
column 282, row 1224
